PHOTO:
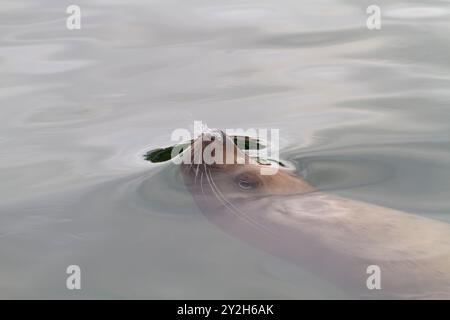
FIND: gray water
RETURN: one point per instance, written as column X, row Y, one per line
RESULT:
column 364, row 114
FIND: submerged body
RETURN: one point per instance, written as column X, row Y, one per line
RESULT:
column 336, row 238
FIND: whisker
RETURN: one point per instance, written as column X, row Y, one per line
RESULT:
column 231, row 207
column 201, row 182
column 196, row 173
column 218, row 197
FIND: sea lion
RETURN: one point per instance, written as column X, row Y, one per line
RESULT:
column 334, row 237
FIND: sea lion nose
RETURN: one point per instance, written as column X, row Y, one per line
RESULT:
column 208, row 136
column 211, row 135
column 207, row 140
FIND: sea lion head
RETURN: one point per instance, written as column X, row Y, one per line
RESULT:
column 232, row 192
column 214, row 165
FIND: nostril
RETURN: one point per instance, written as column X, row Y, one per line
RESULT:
column 206, row 137
column 212, row 135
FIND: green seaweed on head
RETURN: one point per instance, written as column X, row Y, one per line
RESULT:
column 165, row 154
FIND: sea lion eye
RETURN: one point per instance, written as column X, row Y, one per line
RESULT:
column 247, row 183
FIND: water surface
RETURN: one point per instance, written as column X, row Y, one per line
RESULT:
column 364, row 114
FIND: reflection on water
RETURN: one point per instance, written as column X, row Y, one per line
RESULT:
column 362, row 114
